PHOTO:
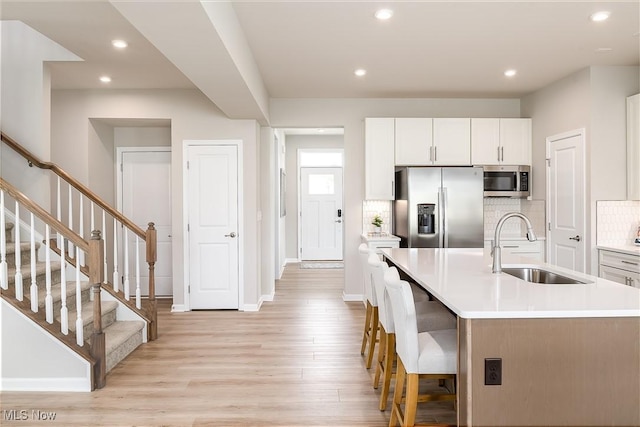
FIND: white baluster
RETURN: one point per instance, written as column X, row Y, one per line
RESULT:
column 81, row 227
column 59, row 214
column 116, row 275
column 4, row 270
column 48, row 299
column 71, row 251
column 64, row 311
column 18, row 277
column 79, row 323
column 125, row 242
column 93, row 221
column 104, row 238
column 34, row 287
column 138, row 302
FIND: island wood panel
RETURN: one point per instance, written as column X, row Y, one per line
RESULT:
column 583, row 371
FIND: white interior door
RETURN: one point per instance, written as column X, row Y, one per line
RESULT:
column 145, row 196
column 566, row 201
column 212, row 185
column 321, row 213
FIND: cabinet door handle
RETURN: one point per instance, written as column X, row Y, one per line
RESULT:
column 628, row 262
column 431, row 154
column 498, row 153
column 502, row 154
column 435, row 153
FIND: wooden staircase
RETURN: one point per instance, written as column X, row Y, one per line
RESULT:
column 60, row 281
column 121, row 336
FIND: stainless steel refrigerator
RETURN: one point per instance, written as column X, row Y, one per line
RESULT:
column 439, row 207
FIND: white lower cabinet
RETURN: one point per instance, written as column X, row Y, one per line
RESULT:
column 520, row 247
column 619, row 267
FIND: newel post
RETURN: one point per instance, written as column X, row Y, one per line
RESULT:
column 96, row 273
column 151, row 239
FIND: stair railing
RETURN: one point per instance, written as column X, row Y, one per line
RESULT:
column 12, row 286
column 124, row 240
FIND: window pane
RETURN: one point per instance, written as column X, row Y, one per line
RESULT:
column 321, row 184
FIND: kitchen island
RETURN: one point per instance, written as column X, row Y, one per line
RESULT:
column 570, row 354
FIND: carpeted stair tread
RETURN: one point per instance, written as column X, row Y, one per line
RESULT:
column 121, row 338
column 41, row 268
column 107, row 307
column 56, row 292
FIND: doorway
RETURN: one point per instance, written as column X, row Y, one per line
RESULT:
column 144, row 195
column 566, row 206
column 213, row 233
column 321, row 227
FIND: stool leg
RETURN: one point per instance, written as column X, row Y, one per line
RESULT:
column 381, row 351
column 367, row 324
column 411, row 400
column 396, row 409
column 373, row 336
column 389, row 357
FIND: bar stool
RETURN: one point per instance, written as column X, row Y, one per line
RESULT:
column 370, row 334
column 431, row 315
column 420, row 354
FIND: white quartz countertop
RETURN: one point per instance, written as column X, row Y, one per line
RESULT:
column 626, row 249
column 462, row 280
column 374, row 237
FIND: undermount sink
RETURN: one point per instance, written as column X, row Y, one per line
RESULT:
column 537, row 275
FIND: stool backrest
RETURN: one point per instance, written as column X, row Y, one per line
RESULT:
column 364, row 251
column 390, row 274
column 378, row 269
column 405, row 323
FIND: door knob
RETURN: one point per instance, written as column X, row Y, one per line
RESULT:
column 338, row 221
column 232, row 234
column 577, row 238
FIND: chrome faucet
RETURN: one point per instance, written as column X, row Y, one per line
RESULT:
column 496, row 250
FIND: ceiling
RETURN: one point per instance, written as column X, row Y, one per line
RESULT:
column 310, row 49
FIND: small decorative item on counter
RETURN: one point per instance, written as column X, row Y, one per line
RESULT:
column 637, row 241
column 377, row 223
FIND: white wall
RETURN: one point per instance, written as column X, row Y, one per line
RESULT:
column 293, row 144
column 349, row 114
column 281, row 220
column 25, row 104
column 594, row 99
column 192, row 117
column 268, row 212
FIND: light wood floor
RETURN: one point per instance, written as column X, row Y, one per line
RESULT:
column 295, row 362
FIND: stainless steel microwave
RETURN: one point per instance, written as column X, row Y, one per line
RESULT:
column 507, row 181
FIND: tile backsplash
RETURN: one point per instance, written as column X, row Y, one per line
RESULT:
column 371, row 208
column 617, row 222
column 495, row 208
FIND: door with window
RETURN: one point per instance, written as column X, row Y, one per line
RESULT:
column 321, row 216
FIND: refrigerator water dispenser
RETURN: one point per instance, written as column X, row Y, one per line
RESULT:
column 426, row 218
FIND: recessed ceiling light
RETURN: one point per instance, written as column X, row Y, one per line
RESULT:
column 119, row 44
column 384, row 14
column 600, row 16
column 510, row 73
column 105, row 79
column 360, row 72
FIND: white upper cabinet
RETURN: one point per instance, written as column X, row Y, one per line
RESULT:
column 501, row 141
column 379, row 165
column 414, row 138
column 451, row 142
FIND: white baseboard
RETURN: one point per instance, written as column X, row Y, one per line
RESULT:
column 291, row 260
column 46, row 384
column 269, row 297
column 352, row 297
column 178, row 308
column 252, row 307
